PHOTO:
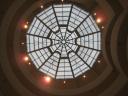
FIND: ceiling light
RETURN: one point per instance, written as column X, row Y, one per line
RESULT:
column 26, row 58
column 98, row 20
column 27, row 22
column 25, row 26
column 64, row 82
column 29, row 63
column 84, row 76
column 47, row 79
column 22, row 43
column 102, row 27
column 41, row 6
column 95, row 14
column 98, row 61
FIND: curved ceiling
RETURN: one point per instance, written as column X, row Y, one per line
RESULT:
column 110, row 76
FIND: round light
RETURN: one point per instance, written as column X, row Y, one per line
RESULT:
column 99, row 61
column 98, row 20
column 26, row 58
column 27, row 22
column 84, row 76
column 22, row 43
column 25, row 26
column 41, row 6
column 64, row 82
column 29, row 63
column 47, row 79
column 102, row 27
column 95, row 14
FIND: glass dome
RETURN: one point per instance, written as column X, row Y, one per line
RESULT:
column 63, row 41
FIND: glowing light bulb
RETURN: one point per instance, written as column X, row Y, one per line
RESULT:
column 29, row 63
column 25, row 26
column 84, row 76
column 98, row 20
column 102, row 27
column 41, row 6
column 22, row 43
column 26, row 58
column 98, row 61
column 47, row 79
column 64, row 82
column 27, row 22
column 95, row 14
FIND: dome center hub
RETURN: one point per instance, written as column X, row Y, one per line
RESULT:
column 63, row 41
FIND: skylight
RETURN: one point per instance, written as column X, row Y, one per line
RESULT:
column 63, row 41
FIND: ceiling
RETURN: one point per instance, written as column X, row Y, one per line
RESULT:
column 19, row 79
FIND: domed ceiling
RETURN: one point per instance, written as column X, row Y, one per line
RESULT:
column 63, row 48
column 63, row 41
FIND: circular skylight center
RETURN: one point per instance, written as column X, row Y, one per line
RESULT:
column 63, row 41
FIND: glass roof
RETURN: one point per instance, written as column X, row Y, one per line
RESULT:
column 63, row 41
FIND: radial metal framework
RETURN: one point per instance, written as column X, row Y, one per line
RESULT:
column 63, row 41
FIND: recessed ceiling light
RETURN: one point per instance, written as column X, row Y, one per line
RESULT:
column 22, row 43
column 29, row 63
column 47, row 79
column 27, row 22
column 84, row 76
column 26, row 58
column 95, row 14
column 64, row 82
column 102, row 27
column 41, row 6
column 25, row 26
column 98, row 61
column 98, row 20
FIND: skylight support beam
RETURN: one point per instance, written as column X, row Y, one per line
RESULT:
column 56, row 19
column 83, row 61
column 58, row 65
column 70, row 63
column 46, row 25
column 75, row 30
column 48, row 58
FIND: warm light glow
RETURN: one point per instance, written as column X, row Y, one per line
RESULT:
column 27, row 22
column 29, row 63
column 98, row 20
column 47, row 79
column 102, row 27
column 22, row 43
column 62, row 0
column 64, row 82
column 26, row 58
column 95, row 14
column 41, row 6
column 99, row 61
column 25, row 26
column 84, row 76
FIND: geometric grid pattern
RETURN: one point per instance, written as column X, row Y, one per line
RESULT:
column 63, row 41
